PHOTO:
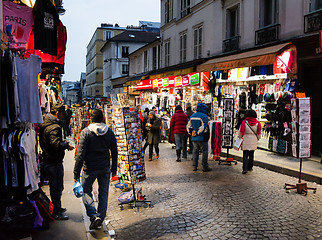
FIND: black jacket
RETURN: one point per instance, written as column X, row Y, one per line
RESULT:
column 51, row 141
column 154, row 132
column 96, row 145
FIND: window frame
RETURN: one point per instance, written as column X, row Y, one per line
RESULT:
column 167, row 53
column 125, row 54
column 185, row 8
column 197, row 42
column 125, row 68
column 272, row 13
column 183, row 47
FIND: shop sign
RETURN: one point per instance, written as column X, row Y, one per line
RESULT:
column 194, row 79
column 165, row 82
column 155, row 83
column 283, row 62
column 160, row 83
column 178, row 81
column 144, row 84
column 185, row 80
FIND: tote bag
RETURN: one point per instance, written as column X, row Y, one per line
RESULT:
column 237, row 144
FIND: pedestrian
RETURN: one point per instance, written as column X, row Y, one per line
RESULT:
column 66, row 122
column 199, row 130
column 189, row 113
column 178, row 126
column 153, row 127
column 250, row 131
column 144, row 130
column 53, row 151
column 97, row 145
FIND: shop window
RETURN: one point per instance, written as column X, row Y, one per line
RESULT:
column 125, row 69
column 125, row 52
column 167, row 53
column 185, row 8
column 145, row 61
column 315, row 5
column 183, row 47
column 197, row 42
column 168, row 10
column 268, row 12
column 232, row 22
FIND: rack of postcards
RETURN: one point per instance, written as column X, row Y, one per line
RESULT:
column 129, row 143
column 301, row 138
column 131, row 167
column 227, row 128
column 108, row 113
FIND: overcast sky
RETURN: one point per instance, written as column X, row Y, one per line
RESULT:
column 82, row 17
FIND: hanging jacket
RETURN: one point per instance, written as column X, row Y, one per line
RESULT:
column 96, row 146
column 179, row 122
column 199, row 122
column 51, row 141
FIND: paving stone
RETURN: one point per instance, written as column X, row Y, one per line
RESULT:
column 221, row 204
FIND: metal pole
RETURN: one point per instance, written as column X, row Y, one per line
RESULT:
column 300, row 173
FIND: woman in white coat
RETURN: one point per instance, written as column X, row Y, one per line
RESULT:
column 250, row 130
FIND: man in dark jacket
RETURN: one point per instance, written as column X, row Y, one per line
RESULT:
column 97, row 145
column 178, row 126
column 199, row 130
column 66, row 122
column 53, row 152
column 153, row 127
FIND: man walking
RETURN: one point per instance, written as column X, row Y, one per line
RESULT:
column 153, row 127
column 53, row 151
column 96, row 146
column 199, row 130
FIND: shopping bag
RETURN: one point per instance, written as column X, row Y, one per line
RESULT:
column 78, row 189
column 237, row 144
column 45, row 206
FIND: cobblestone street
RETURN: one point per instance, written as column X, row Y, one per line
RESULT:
column 221, row 204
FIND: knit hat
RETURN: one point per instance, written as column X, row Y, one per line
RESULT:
column 152, row 113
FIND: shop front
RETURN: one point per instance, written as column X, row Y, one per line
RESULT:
column 264, row 80
column 167, row 92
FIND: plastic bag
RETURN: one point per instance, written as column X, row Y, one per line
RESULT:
column 238, row 143
column 78, row 189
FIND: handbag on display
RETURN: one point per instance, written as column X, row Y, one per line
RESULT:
column 238, row 143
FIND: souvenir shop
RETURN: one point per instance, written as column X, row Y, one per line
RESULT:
column 266, row 88
column 33, row 44
column 165, row 93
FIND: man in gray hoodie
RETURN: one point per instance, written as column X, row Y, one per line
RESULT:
column 96, row 146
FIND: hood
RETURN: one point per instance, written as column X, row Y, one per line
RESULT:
column 201, row 107
column 99, row 129
column 179, row 111
column 49, row 120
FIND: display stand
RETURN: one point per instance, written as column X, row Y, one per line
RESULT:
column 301, row 139
column 227, row 130
column 131, row 157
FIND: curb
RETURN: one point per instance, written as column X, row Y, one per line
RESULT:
column 283, row 170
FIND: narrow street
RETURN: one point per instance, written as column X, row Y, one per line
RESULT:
column 222, row 204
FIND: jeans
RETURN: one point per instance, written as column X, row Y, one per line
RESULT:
column 204, row 147
column 146, row 144
column 156, row 147
column 248, row 160
column 181, row 143
column 103, row 179
column 55, row 174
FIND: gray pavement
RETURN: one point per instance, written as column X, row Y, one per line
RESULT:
column 221, row 204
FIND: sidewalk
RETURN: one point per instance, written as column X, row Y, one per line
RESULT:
column 311, row 170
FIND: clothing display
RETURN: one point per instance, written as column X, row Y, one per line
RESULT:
column 17, row 24
column 27, row 81
column 45, row 28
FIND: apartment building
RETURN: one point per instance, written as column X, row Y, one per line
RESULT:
column 94, row 58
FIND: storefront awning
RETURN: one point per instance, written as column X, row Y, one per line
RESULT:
column 259, row 57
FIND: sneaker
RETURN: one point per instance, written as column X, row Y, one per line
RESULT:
column 94, row 223
column 244, row 172
column 158, row 156
column 150, row 159
column 185, row 157
column 61, row 216
column 178, row 160
column 195, row 169
column 208, row 169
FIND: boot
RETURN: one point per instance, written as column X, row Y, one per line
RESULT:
column 178, row 155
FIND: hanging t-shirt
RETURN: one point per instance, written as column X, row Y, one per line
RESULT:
column 27, row 80
column 17, row 23
column 45, row 28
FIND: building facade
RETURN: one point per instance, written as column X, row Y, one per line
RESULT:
column 115, row 57
column 94, row 58
column 223, row 30
column 82, row 82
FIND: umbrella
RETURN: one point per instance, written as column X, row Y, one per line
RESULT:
column 144, row 106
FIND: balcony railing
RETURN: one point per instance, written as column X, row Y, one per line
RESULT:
column 231, row 44
column 267, row 34
column 313, row 21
